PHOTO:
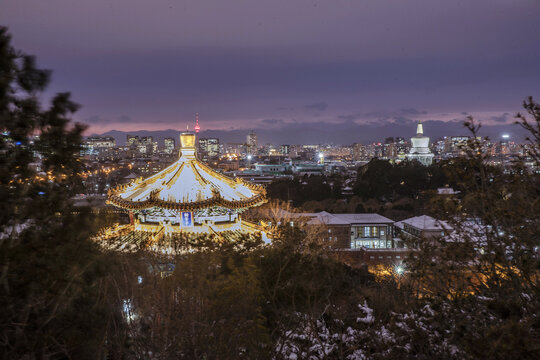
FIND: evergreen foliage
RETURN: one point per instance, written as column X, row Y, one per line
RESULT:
column 52, row 291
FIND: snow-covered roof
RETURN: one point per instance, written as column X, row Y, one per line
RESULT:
column 348, row 219
column 472, row 231
column 130, row 176
column 424, row 222
column 446, row 191
column 187, row 184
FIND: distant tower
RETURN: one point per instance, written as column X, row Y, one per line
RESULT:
column 197, row 127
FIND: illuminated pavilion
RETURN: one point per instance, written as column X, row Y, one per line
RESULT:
column 186, row 200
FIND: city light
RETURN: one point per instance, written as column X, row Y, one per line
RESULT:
column 313, row 217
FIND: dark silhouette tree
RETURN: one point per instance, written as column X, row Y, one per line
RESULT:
column 486, row 273
column 52, row 282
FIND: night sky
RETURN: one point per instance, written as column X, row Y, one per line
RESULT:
column 271, row 64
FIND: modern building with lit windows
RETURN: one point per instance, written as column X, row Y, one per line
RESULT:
column 354, row 231
column 208, row 149
column 169, row 145
column 97, row 144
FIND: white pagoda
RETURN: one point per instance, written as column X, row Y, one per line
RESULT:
column 186, row 199
column 420, row 147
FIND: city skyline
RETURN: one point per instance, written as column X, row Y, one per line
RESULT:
column 342, row 134
column 317, row 191
column 275, row 66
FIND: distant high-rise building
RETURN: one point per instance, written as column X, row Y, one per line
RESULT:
column 402, row 146
column 252, row 143
column 147, row 140
column 392, row 147
column 146, row 145
column 169, row 145
column 420, row 147
column 359, row 152
column 284, row 149
column 101, row 141
column 390, row 150
column 96, row 144
column 208, row 148
column 455, row 145
column 233, row 148
column 132, row 140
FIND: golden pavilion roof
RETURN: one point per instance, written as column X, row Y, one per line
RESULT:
column 188, row 184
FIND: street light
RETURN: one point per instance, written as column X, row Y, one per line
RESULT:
column 399, row 269
column 249, row 160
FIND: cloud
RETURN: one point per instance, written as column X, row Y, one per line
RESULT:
column 402, row 120
column 320, row 106
column 350, row 117
column 378, row 118
column 394, row 120
column 285, row 108
column 124, row 119
column 413, row 111
column 272, row 121
column 500, row 119
column 95, row 119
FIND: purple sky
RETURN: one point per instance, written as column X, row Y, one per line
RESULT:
column 266, row 64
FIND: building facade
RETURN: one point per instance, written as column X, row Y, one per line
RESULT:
column 208, row 149
column 97, row 144
column 355, row 231
column 169, row 145
column 422, row 227
column 252, row 143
